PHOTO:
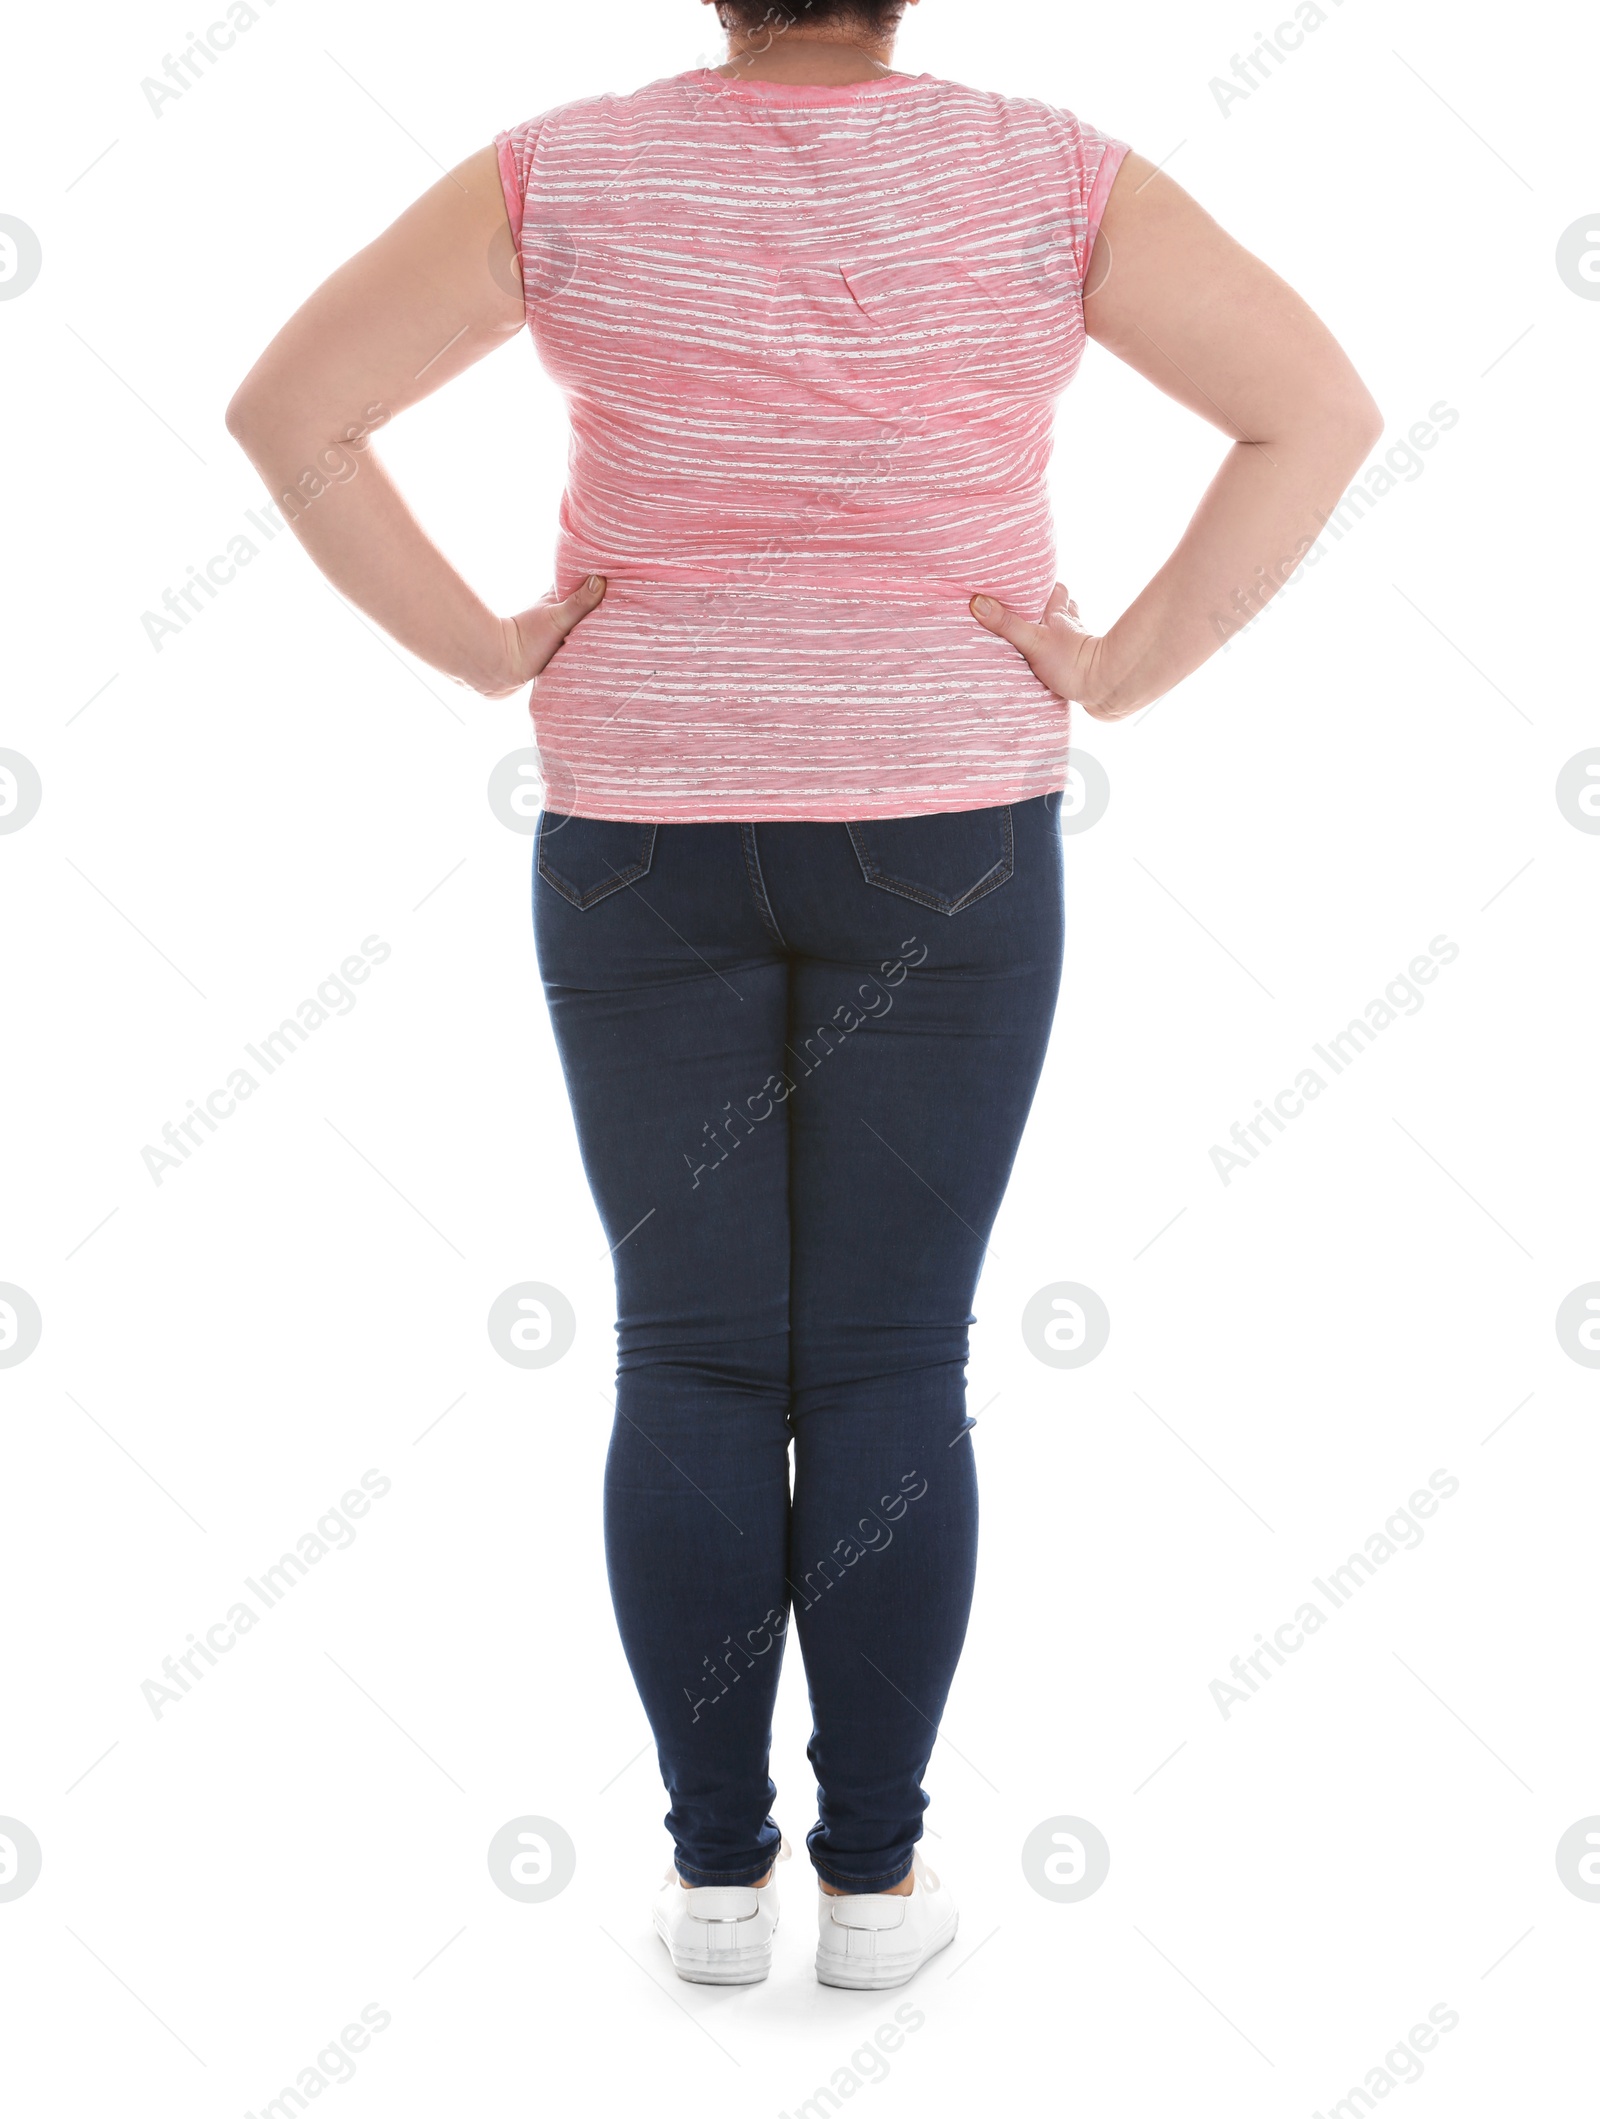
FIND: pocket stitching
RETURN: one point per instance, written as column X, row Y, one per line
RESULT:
column 619, row 879
column 902, row 887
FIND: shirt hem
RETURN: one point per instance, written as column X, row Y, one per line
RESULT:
column 811, row 809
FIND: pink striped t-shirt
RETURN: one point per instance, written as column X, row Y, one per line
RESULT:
column 811, row 341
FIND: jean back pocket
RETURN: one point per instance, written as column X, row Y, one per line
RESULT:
column 946, row 862
column 587, row 858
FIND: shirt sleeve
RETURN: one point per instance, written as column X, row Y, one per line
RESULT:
column 1093, row 159
column 515, row 151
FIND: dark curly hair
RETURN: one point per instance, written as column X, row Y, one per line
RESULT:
column 785, row 14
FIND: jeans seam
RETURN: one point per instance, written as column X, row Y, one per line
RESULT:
column 758, row 883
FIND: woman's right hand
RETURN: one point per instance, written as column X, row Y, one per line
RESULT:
column 1060, row 650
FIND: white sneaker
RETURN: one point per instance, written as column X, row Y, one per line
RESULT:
column 719, row 1935
column 880, row 1939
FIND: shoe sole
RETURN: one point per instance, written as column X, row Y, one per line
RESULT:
column 727, row 1968
column 883, row 1972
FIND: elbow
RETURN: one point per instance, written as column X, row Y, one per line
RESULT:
column 256, row 405
column 1371, row 425
column 243, row 414
column 1341, row 430
column 1359, row 419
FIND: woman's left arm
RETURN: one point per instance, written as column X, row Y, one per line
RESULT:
column 1174, row 296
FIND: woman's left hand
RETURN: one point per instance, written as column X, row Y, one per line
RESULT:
column 530, row 639
column 1062, row 653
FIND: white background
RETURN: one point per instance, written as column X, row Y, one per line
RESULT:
column 1291, row 1355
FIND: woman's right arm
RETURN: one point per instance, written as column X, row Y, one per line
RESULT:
column 1174, row 296
column 434, row 293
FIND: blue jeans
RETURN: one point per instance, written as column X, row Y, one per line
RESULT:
column 800, row 1058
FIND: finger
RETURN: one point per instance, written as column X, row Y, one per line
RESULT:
column 566, row 614
column 999, row 618
column 1062, row 610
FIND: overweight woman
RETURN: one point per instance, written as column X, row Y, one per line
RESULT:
column 800, row 693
